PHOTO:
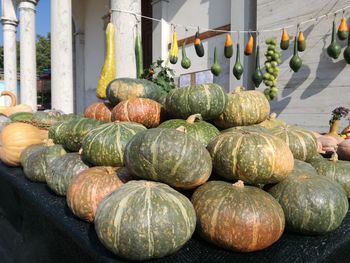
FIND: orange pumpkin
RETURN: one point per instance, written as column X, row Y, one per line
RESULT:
column 99, row 111
column 13, row 108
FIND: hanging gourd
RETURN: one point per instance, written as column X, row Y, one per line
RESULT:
column 216, row 68
column 257, row 77
column 334, row 49
column 198, row 45
column 228, row 51
column 238, row 67
column 301, row 42
column 185, row 61
column 343, row 30
column 174, row 49
column 138, row 55
column 295, row 62
column 347, row 52
column 249, row 47
column 284, row 45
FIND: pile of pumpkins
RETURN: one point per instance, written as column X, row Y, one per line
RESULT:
column 148, row 174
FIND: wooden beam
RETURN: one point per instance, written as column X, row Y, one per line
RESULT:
column 204, row 35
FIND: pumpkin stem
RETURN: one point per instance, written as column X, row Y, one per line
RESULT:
column 334, row 157
column 181, row 129
column 239, row 184
column 110, row 170
column 80, row 151
column 194, row 118
column 237, row 89
column 49, row 142
column 334, row 128
column 273, row 116
column 11, row 95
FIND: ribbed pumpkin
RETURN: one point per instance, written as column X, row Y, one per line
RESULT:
column 195, row 126
column 255, row 158
column 209, row 100
column 105, row 145
column 143, row 220
column 88, row 188
column 100, row 111
column 272, row 121
column 303, row 167
column 301, row 142
column 168, row 156
column 244, row 108
column 46, row 118
column 144, row 111
column 127, row 88
column 237, row 217
column 57, row 132
column 311, row 204
column 62, row 170
column 14, row 138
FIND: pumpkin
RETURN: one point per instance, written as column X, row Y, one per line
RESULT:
column 8, row 110
column 272, row 122
column 57, row 132
column 209, row 100
column 301, row 142
column 143, row 220
column 168, row 156
column 105, row 145
column 14, row 138
column 195, row 126
column 244, row 108
column 237, row 217
column 301, row 167
column 251, row 128
column 311, row 204
column 141, row 110
column 46, row 118
column 100, row 111
column 21, row 116
column 90, row 186
column 255, row 158
column 126, row 88
column 343, row 150
column 62, row 170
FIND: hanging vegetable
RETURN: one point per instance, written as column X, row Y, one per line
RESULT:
column 257, row 77
column 347, row 52
column 198, row 45
column 185, row 61
column 237, row 68
column 284, row 45
column 296, row 62
column 343, row 30
column 301, row 42
column 228, row 51
column 138, row 55
column 249, row 47
column 174, row 50
column 216, row 68
column 334, row 49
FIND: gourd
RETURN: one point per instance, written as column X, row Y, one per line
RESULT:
column 174, row 50
column 108, row 70
column 343, row 150
column 346, row 53
column 198, row 45
column 284, row 44
column 301, row 42
column 257, row 76
column 138, row 55
column 295, row 63
column 105, row 145
column 228, row 49
column 237, row 217
column 144, row 220
column 185, row 61
column 238, row 67
column 343, row 30
column 99, row 111
column 248, row 50
column 272, row 122
column 144, row 111
column 253, row 157
column 216, row 68
column 334, row 49
column 13, row 108
column 168, row 156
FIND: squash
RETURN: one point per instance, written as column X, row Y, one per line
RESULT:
column 343, row 29
column 45, row 119
column 195, row 126
column 302, row 167
column 301, row 42
column 228, row 50
column 256, row 109
column 248, row 50
column 237, row 217
column 33, row 162
column 343, row 150
column 57, row 132
column 257, row 76
column 311, row 204
column 127, row 88
column 144, row 111
column 138, row 55
column 255, row 158
column 295, row 62
column 13, row 108
column 99, row 111
column 334, row 49
column 272, row 122
column 143, row 220
column 198, row 45
column 21, row 116
column 238, row 67
column 90, row 186
column 284, row 44
column 209, row 100
column 105, row 145
column 215, row 68
column 174, row 50
column 14, row 138
column 185, row 61
column 168, row 156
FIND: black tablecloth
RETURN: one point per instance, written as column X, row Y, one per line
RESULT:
column 37, row 226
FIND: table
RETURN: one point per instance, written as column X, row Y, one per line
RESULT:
column 37, row 226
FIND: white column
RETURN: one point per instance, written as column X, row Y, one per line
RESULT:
column 62, row 94
column 28, row 52
column 161, row 30
column 9, row 22
column 79, row 71
column 125, row 36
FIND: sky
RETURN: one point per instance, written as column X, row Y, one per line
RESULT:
column 42, row 20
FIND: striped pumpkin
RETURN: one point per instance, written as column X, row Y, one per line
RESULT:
column 244, row 108
column 209, row 100
column 144, row 111
column 143, row 220
column 301, row 142
column 88, row 188
column 99, row 111
column 255, row 158
column 105, row 145
column 237, row 217
column 272, row 121
column 168, row 156
column 195, row 126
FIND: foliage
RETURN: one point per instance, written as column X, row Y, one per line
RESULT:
column 338, row 113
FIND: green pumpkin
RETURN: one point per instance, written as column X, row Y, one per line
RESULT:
column 272, row 122
column 302, row 167
column 168, row 156
column 57, row 132
column 46, row 118
column 251, row 128
column 255, row 158
column 105, row 145
column 195, row 127
column 209, row 100
column 144, row 220
column 21, row 116
column 311, row 204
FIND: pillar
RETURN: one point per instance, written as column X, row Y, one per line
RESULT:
column 79, row 41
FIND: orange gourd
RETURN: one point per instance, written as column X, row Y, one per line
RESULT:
column 343, row 30
column 13, row 108
column 249, row 47
column 284, row 45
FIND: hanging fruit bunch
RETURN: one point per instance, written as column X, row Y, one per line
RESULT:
column 228, row 50
column 174, row 50
column 216, row 68
column 343, row 30
column 334, row 49
column 273, row 59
